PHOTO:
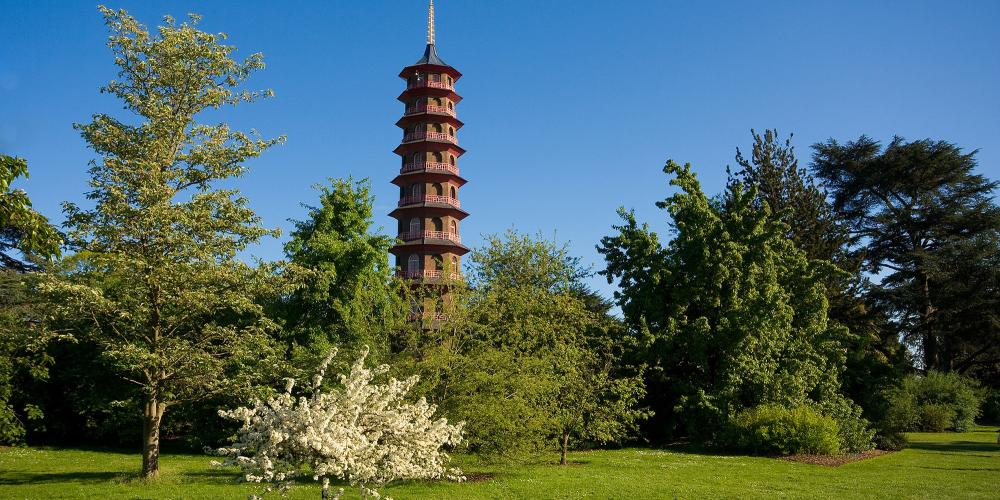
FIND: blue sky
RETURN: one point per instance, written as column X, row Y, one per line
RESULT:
column 571, row 107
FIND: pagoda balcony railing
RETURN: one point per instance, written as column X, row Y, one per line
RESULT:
column 430, row 136
column 429, row 198
column 424, row 83
column 432, row 166
column 434, row 235
column 429, row 108
column 429, row 274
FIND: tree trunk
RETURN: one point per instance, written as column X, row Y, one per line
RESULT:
column 929, row 341
column 565, row 447
column 152, row 416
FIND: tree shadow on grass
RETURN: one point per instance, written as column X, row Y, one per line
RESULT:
column 955, row 446
column 20, row 478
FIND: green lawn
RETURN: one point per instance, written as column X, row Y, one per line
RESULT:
column 965, row 465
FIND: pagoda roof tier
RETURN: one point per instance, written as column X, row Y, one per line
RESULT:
column 429, row 118
column 430, row 62
column 429, row 209
column 425, row 145
column 428, row 175
column 413, row 92
column 430, row 245
column 430, row 68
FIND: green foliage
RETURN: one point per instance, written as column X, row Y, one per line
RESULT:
column 347, row 294
column 991, row 406
column 522, row 360
column 773, row 429
column 929, row 226
column 737, row 313
column 25, row 357
column 891, row 441
column 936, row 402
column 156, row 271
column 875, row 359
column 22, row 228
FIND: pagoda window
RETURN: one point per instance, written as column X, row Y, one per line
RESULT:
column 454, row 193
column 452, row 159
column 415, row 190
column 438, row 225
column 450, row 105
column 416, row 158
column 438, row 263
column 437, row 101
column 454, row 263
column 438, row 128
column 438, row 189
column 414, row 225
column 413, row 264
column 451, row 131
column 437, row 157
column 454, row 227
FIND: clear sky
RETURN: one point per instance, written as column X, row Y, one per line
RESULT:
column 571, row 107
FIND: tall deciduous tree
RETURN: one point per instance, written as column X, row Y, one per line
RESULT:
column 156, row 267
column 919, row 213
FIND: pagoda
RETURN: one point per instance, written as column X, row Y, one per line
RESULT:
column 429, row 213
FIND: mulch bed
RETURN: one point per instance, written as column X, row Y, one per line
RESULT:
column 835, row 460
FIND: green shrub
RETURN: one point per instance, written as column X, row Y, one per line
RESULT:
column 934, row 403
column 891, row 441
column 856, row 434
column 991, row 407
column 773, row 429
column 936, row 418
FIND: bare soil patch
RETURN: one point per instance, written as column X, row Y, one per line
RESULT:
column 835, row 460
column 475, row 477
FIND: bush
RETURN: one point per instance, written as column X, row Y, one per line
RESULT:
column 891, row 441
column 936, row 418
column 856, row 434
column 991, row 407
column 773, row 429
column 933, row 403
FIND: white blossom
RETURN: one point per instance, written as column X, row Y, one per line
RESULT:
column 361, row 432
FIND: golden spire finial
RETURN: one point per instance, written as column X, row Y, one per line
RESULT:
column 430, row 25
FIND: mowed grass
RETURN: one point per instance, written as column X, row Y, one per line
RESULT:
column 965, row 465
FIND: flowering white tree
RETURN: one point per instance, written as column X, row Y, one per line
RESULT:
column 361, row 432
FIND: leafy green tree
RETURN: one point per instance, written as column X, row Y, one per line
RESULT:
column 156, row 268
column 918, row 213
column 875, row 358
column 348, row 294
column 737, row 313
column 23, row 357
column 520, row 358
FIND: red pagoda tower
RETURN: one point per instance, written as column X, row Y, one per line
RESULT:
column 429, row 212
